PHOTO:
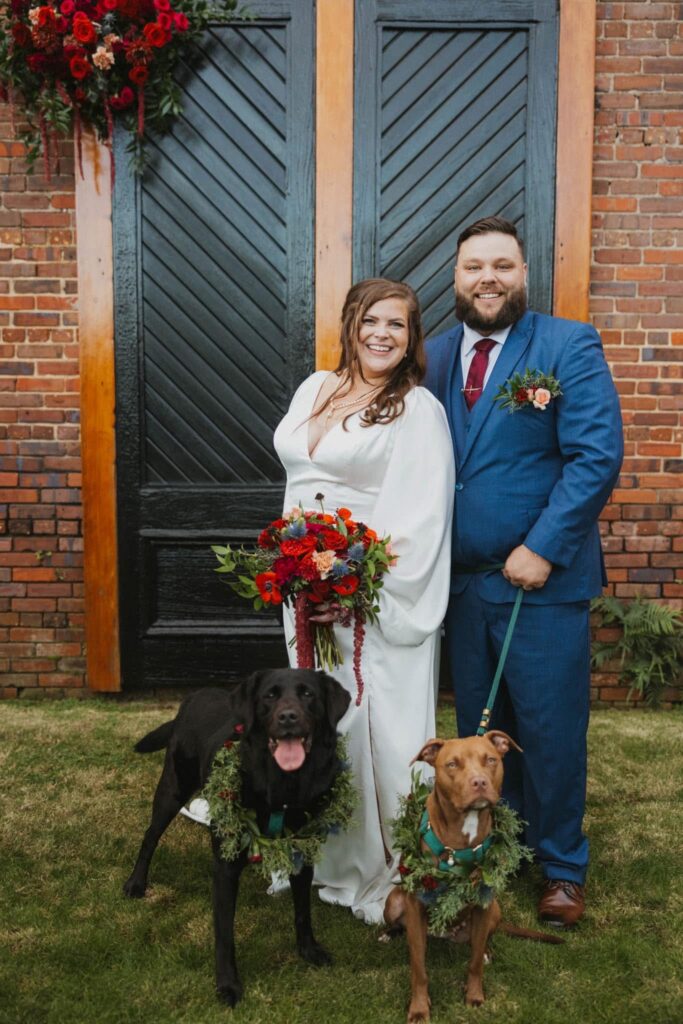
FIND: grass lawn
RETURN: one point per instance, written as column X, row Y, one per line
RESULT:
column 76, row 800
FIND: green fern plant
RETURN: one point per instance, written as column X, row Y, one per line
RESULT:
column 650, row 647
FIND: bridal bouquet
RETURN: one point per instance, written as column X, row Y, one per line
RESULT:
column 307, row 559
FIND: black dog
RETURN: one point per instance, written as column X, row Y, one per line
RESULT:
column 288, row 761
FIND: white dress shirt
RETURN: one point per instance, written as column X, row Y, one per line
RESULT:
column 467, row 349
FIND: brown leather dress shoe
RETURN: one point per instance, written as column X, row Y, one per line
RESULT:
column 562, row 903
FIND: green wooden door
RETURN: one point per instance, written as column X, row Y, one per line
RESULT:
column 455, row 120
column 214, row 271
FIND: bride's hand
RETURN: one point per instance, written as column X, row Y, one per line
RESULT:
column 327, row 613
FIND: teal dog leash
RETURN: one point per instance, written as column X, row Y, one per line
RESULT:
column 486, row 713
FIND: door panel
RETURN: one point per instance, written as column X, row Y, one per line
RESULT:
column 455, row 115
column 214, row 276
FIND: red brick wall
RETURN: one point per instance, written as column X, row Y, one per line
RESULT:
column 41, row 607
column 637, row 304
column 637, row 288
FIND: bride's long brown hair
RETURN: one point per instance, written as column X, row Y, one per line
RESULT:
column 389, row 403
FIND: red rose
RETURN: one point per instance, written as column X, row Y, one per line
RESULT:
column 110, row 5
column 124, row 98
column 79, row 67
column 165, row 20
column 67, row 7
column 521, row 395
column 255, row 858
column 46, row 17
column 22, row 36
column 298, row 546
column 403, row 870
column 266, row 539
column 181, row 21
column 138, row 75
column 61, row 25
column 155, row 35
column 83, row 29
column 334, row 541
column 268, row 588
column 347, row 585
column 429, row 882
column 162, row 5
column 239, row 729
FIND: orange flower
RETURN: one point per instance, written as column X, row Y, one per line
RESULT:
column 268, row 588
column 344, row 513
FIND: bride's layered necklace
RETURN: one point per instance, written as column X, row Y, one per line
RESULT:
column 336, row 406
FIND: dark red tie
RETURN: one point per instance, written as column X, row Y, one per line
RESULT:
column 477, row 371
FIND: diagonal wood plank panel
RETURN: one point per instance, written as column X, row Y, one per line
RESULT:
column 454, row 121
column 214, row 269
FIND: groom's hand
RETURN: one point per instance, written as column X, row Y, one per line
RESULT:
column 524, row 568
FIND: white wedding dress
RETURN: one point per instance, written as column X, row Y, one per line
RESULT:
column 398, row 479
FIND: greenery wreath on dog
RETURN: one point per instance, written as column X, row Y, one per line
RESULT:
column 446, row 892
column 286, row 852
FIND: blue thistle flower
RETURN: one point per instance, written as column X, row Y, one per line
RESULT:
column 356, row 552
column 296, row 530
column 340, row 568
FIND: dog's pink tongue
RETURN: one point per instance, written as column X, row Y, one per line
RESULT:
column 289, row 754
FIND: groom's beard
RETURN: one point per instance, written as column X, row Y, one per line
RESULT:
column 512, row 310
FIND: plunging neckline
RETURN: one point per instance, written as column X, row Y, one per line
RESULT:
column 311, row 452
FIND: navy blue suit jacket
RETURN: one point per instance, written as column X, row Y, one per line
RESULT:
column 534, row 477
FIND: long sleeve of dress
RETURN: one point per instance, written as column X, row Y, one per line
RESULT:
column 415, row 506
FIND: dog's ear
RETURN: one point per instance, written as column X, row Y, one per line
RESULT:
column 245, row 699
column 501, row 741
column 429, row 752
column 337, row 699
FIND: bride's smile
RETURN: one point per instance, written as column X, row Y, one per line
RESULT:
column 383, row 338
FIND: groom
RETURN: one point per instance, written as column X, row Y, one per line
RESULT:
column 530, row 487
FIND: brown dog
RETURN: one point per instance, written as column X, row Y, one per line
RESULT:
column 467, row 784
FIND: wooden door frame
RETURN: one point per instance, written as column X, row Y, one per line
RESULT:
column 334, row 179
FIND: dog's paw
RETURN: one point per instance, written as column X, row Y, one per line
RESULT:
column 474, row 997
column 229, row 994
column 418, row 1012
column 315, row 954
column 134, row 889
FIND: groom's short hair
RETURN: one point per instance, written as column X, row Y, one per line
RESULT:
column 487, row 226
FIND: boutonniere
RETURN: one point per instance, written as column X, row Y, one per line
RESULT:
column 532, row 388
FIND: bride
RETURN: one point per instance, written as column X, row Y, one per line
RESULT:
column 370, row 439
